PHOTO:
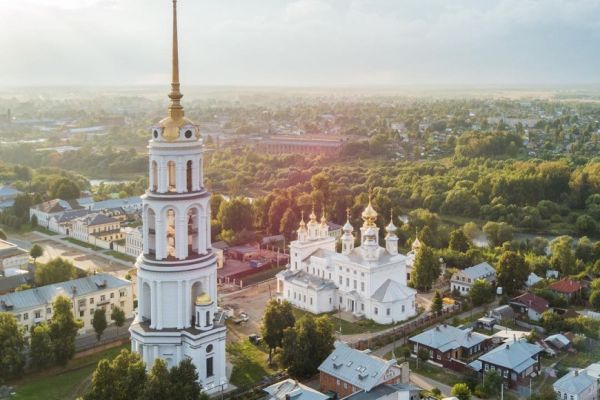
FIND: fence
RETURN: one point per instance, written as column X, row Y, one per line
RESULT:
column 402, row 331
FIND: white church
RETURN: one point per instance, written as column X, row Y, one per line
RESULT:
column 177, row 271
column 368, row 281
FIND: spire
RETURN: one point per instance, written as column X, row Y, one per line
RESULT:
column 391, row 228
column 175, row 108
column 348, row 226
column 313, row 216
column 369, row 215
column 302, row 223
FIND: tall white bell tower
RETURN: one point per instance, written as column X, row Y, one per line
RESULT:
column 177, row 272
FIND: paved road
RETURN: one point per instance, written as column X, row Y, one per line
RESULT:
column 111, row 333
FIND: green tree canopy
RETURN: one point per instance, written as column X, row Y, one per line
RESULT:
column 511, row 271
column 277, row 318
column 41, row 351
column 481, row 292
column 437, row 305
column 123, row 378
column 63, row 329
column 459, row 241
column 36, row 251
column 426, row 269
column 56, row 270
column 12, row 346
column 461, row 391
column 99, row 322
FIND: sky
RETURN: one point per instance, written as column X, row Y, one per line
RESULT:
column 302, row 42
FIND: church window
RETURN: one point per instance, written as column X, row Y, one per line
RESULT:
column 355, row 284
column 402, row 307
column 330, row 276
column 188, row 174
column 348, row 282
column 362, row 274
column 209, row 348
column 340, row 299
column 330, row 300
column 341, row 280
column 376, row 311
column 155, row 134
column 209, row 367
column 208, row 318
column 188, row 134
column 310, row 301
column 362, row 306
column 171, row 176
column 388, row 311
column 362, row 286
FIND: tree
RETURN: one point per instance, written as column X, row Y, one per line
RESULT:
column 34, row 221
column 595, row 299
column 423, row 354
column 63, row 329
column 184, row 382
column 461, row 391
column 562, row 258
column 12, row 345
column 498, row 232
column 2, row 235
column 471, row 230
column 158, row 384
column 277, row 318
column 459, row 241
column 99, row 322
column 56, row 270
column 585, row 225
column 235, row 214
column 41, row 352
column 118, row 315
column 481, row 292
column 289, row 223
column 511, row 271
column 426, row 269
column 123, row 378
column 36, row 251
column 65, row 189
column 437, row 304
column 491, row 383
column 306, row 345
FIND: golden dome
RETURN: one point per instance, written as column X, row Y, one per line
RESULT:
column 369, row 212
column 203, row 300
column 171, row 126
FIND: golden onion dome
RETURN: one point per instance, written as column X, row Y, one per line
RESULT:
column 171, row 127
column 203, row 299
column 369, row 212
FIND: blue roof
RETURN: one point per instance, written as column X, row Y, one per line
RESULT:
column 8, row 191
column 44, row 295
column 116, row 203
column 516, row 355
column 574, row 382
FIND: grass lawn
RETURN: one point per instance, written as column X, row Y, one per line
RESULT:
column 580, row 359
column 349, row 328
column 61, row 383
column 82, row 244
column 121, row 256
column 442, row 375
column 45, row 230
column 249, row 363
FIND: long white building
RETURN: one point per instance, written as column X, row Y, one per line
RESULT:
column 369, row 281
column 177, row 271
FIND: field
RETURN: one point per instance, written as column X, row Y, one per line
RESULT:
column 249, row 363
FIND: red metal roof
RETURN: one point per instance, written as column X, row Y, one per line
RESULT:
column 566, row 286
column 532, row 301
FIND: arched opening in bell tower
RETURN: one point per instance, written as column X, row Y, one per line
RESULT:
column 171, row 249
column 171, row 172
column 154, row 187
column 145, row 302
column 188, row 175
column 151, row 224
column 192, row 231
column 196, row 291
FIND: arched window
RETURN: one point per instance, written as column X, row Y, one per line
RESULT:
column 188, row 175
column 171, row 176
column 192, row 230
column 154, row 176
column 151, row 224
column 171, row 251
column 208, row 321
column 145, row 302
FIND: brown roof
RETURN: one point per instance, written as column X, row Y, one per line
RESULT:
column 566, row 286
column 537, row 303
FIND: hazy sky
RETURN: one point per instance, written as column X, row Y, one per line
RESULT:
column 302, row 42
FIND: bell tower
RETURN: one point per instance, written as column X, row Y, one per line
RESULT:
column 177, row 272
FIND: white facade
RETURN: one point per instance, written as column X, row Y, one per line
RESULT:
column 177, row 271
column 134, row 241
column 12, row 256
column 369, row 281
column 463, row 280
column 576, row 385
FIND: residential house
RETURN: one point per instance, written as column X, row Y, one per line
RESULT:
column 46, row 210
column 576, row 385
column 97, row 229
column 12, row 256
column 503, row 313
column 63, row 223
column 516, row 361
column 347, row 371
column 567, row 288
column 130, row 205
column 450, row 346
column 291, row 389
column 463, row 280
column 106, row 291
column 396, row 391
column 529, row 305
column 134, row 241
